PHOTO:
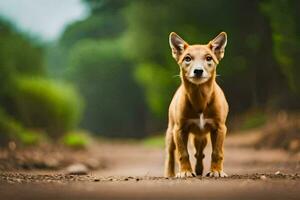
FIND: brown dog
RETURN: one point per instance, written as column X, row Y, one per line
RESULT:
column 198, row 107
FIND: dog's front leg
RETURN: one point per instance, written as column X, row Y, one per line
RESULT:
column 217, row 140
column 181, row 140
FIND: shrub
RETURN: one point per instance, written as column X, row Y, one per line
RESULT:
column 76, row 139
column 8, row 127
column 11, row 129
column 29, row 137
column 51, row 106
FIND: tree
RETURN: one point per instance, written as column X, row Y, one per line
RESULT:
column 92, row 58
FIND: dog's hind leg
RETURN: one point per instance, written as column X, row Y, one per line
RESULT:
column 170, row 154
column 199, row 144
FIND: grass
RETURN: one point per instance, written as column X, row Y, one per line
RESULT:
column 76, row 139
column 154, row 141
column 29, row 137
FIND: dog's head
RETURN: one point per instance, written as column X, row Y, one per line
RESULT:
column 198, row 62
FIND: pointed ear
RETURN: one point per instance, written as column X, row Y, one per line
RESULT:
column 218, row 45
column 177, row 44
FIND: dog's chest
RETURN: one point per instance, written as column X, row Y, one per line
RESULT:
column 201, row 122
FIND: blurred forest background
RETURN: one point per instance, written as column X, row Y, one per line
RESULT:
column 111, row 73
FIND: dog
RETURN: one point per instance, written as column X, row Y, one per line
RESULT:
column 198, row 108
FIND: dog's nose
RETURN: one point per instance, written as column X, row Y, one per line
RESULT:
column 198, row 72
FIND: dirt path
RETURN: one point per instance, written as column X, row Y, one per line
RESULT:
column 135, row 172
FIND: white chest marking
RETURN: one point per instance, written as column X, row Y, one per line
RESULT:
column 201, row 121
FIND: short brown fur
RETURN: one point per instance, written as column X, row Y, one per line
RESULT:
column 197, row 98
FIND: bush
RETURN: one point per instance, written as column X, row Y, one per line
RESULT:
column 11, row 129
column 51, row 106
column 77, row 139
column 29, row 137
column 8, row 127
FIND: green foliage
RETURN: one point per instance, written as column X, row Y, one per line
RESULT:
column 11, row 129
column 76, row 139
column 49, row 105
column 146, row 39
column 87, row 29
column 18, row 55
column 119, row 59
column 29, row 137
column 121, row 62
column 8, row 125
column 103, row 76
column 155, row 141
column 254, row 120
column 91, row 55
column 158, row 93
column 285, row 34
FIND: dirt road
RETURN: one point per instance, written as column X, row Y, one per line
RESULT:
column 134, row 171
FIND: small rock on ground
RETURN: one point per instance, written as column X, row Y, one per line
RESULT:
column 77, row 169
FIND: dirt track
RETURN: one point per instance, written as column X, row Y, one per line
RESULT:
column 135, row 172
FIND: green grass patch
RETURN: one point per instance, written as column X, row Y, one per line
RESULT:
column 29, row 137
column 76, row 139
column 155, row 141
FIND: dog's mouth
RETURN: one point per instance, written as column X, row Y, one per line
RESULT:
column 198, row 79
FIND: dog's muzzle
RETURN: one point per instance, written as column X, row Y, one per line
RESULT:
column 198, row 73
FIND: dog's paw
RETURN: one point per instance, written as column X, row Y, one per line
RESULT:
column 217, row 174
column 185, row 174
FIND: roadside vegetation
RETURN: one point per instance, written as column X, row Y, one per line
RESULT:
column 112, row 73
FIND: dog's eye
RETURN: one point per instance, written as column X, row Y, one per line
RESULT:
column 208, row 58
column 187, row 59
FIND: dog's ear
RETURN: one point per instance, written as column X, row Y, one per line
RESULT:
column 177, row 44
column 218, row 45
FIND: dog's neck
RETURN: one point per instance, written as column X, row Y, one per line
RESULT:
column 199, row 96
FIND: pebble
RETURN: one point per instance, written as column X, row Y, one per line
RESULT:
column 263, row 177
column 18, row 180
column 277, row 173
column 77, row 169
